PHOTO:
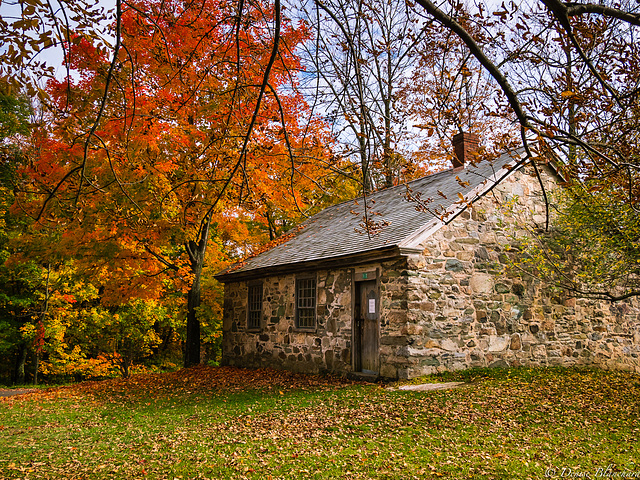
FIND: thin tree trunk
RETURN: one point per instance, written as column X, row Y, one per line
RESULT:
column 272, row 226
column 572, row 107
column 35, row 374
column 192, row 350
column 196, row 253
column 39, row 343
column 387, row 154
column 364, row 164
column 20, row 362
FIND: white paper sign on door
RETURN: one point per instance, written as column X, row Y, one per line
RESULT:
column 372, row 305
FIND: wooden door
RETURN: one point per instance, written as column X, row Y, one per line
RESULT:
column 367, row 333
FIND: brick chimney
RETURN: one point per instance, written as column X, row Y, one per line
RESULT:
column 464, row 145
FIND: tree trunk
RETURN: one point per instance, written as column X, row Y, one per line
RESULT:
column 272, row 227
column 196, row 253
column 35, row 373
column 192, row 347
column 387, row 153
column 125, row 363
column 573, row 130
column 364, row 160
column 20, row 362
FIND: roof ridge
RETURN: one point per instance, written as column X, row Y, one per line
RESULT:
column 465, row 169
column 383, row 190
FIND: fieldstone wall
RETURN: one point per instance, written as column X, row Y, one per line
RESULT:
column 454, row 306
column 328, row 348
column 278, row 343
column 466, row 310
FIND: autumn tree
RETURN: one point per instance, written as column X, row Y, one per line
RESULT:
column 446, row 92
column 590, row 128
column 568, row 74
column 32, row 32
column 18, row 284
column 101, row 340
column 592, row 248
column 156, row 154
column 536, row 53
column 356, row 60
column 39, row 290
column 32, row 290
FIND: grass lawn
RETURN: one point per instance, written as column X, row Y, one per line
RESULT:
column 216, row 423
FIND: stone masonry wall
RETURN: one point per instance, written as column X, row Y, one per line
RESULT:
column 452, row 307
column 279, row 344
column 465, row 311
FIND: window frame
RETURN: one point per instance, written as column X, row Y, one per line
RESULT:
column 251, row 288
column 301, row 280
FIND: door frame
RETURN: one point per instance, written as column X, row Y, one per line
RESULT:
column 357, row 277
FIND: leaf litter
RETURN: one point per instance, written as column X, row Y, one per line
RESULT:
column 237, row 423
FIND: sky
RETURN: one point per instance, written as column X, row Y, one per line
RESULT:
column 11, row 11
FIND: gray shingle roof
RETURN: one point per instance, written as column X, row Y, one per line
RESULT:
column 338, row 231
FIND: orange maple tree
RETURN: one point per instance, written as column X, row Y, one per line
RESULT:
column 152, row 160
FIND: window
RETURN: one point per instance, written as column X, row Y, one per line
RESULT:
column 254, row 306
column 306, row 303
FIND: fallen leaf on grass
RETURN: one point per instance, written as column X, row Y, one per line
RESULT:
column 196, row 380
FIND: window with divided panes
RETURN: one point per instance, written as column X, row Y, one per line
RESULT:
column 254, row 306
column 306, row 302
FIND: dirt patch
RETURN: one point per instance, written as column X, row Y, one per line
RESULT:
column 14, row 392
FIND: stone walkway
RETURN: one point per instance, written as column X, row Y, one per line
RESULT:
column 427, row 387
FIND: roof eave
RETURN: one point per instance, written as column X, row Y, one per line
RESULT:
column 351, row 260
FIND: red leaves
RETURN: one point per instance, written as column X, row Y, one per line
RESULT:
column 198, row 380
column 267, row 246
column 38, row 342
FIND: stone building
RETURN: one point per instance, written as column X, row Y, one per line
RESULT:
column 428, row 292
